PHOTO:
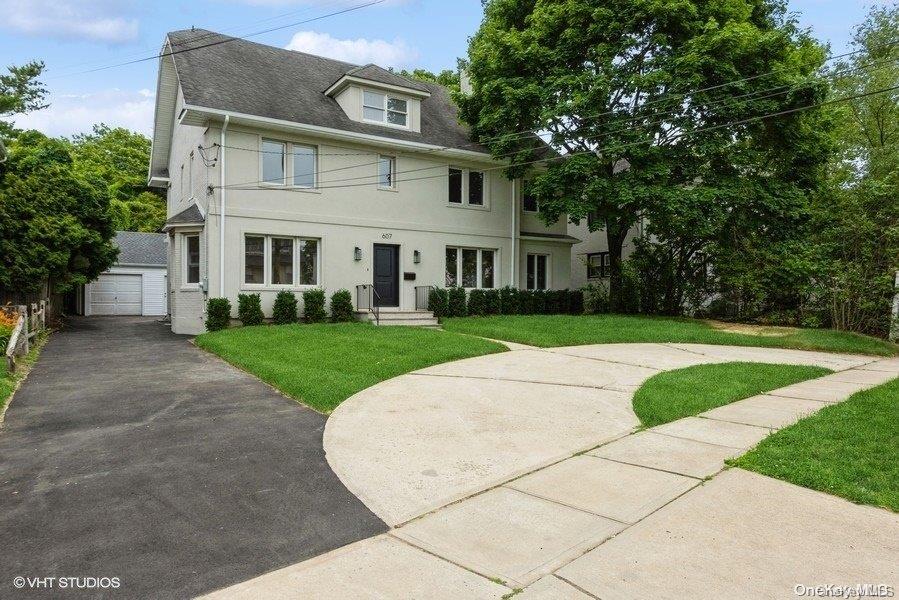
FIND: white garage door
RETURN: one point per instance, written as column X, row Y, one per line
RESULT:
column 116, row 294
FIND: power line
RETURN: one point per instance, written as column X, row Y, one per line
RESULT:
column 779, row 91
column 231, row 39
column 620, row 146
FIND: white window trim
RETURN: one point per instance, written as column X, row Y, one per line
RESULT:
column 185, row 286
column 287, row 165
column 267, row 284
column 480, row 264
column 549, row 270
column 393, row 168
column 485, row 195
column 387, row 96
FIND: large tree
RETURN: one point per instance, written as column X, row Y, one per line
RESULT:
column 114, row 161
column 55, row 229
column 20, row 92
column 613, row 83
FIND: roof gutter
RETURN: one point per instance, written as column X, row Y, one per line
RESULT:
column 224, row 191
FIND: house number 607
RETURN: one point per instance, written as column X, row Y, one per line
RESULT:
column 386, row 236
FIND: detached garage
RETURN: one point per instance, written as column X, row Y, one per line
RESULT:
column 136, row 284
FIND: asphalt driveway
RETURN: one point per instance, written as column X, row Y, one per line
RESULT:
column 130, row 453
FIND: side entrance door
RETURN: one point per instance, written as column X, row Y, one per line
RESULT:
column 386, row 275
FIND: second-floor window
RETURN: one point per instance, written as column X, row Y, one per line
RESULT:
column 466, row 187
column 384, row 108
column 387, row 172
column 529, row 203
column 289, row 164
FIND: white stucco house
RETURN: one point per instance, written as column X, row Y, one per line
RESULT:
column 136, row 284
column 288, row 171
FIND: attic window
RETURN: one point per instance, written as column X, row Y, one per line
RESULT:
column 384, row 108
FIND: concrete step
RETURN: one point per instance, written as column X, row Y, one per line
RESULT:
column 412, row 322
column 406, row 317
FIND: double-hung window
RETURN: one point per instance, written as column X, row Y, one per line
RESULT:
column 272, row 260
column 537, row 275
column 470, row 267
column 294, row 165
column 384, row 108
column 387, row 172
column 191, row 253
column 466, row 187
column 598, row 265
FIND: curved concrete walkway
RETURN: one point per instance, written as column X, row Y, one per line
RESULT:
column 466, row 456
column 423, row 440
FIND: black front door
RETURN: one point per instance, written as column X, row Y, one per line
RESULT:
column 387, row 275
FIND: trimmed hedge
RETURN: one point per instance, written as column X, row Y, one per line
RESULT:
column 284, row 310
column 506, row 301
column 491, row 302
column 314, row 306
column 342, row 306
column 477, row 303
column 249, row 309
column 456, row 304
column 218, row 314
column 438, row 302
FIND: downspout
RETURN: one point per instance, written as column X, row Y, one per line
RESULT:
column 514, row 250
column 222, row 209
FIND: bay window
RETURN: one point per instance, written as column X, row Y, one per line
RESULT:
column 537, row 276
column 271, row 260
column 470, row 267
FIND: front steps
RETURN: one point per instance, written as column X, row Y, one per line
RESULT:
column 415, row 318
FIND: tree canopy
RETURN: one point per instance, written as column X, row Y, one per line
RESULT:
column 648, row 84
column 55, row 228
column 20, row 92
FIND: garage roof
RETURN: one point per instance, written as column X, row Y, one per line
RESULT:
column 137, row 248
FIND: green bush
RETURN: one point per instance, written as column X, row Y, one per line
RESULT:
column 342, row 306
column 249, row 309
column 575, row 302
column 596, row 299
column 218, row 314
column 477, row 303
column 508, row 300
column 456, row 306
column 314, row 306
column 284, row 310
column 538, row 302
column 525, row 302
column 438, row 302
column 492, row 302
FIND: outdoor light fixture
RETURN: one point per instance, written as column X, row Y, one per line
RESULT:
column 357, row 253
column 416, row 257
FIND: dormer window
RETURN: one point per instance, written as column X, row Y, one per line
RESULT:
column 384, row 108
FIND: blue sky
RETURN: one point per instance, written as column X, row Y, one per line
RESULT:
column 74, row 36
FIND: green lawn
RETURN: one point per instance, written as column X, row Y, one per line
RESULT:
column 849, row 449
column 673, row 395
column 567, row 330
column 323, row 365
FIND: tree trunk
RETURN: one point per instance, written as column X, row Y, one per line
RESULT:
column 615, row 238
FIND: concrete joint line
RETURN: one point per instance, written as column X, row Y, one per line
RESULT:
column 574, row 385
column 680, row 437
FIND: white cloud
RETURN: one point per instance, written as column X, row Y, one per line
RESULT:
column 94, row 20
column 359, row 51
column 71, row 114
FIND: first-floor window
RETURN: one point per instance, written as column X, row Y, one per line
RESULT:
column 598, row 265
column 470, row 267
column 537, row 264
column 279, row 260
column 192, row 259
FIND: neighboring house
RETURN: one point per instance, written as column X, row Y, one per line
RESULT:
column 590, row 257
column 287, row 171
column 136, row 284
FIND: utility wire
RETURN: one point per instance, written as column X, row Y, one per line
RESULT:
column 743, row 98
column 620, row 146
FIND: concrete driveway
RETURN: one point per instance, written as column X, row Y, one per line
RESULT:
column 129, row 453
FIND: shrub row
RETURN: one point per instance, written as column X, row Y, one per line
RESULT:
column 454, row 302
column 284, row 310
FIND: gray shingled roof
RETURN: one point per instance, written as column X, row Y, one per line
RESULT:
column 375, row 73
column 246, row 77
column 191, row 214
column 136, row 248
